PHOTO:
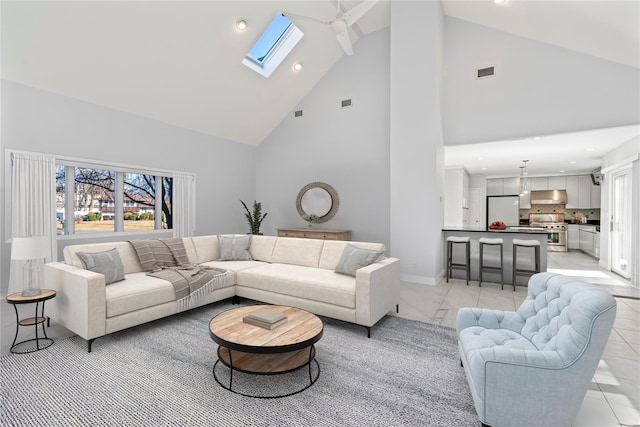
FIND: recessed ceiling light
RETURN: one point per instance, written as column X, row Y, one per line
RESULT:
column 484, row 169
column 562, row 171
column 573, row 162
column 297, row 66
column 588, row 149
column 536, row 137
column 480, row 158
column 499, row 1
column 241, row 24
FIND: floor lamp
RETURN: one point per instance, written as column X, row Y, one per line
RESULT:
column 31, row 251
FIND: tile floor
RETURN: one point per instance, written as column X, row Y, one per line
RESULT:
column 613, row 398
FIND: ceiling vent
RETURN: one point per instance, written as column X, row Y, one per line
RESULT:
column 345, row 103
column 482, row 73
column 297, row 113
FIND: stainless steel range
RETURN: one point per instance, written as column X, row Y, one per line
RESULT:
column 556, row 230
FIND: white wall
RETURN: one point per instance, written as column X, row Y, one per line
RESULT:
column 454, row 193
column 34, row 120
column 417, row 169
column 538, row 89
column 346, row 148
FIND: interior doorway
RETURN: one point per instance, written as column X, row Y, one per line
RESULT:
column 620, row 225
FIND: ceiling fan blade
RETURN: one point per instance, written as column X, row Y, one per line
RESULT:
column 358, row 11
column 293, row 16
column 343, row 39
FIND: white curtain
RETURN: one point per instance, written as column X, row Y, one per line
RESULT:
column 33, row 203
column 184, row 208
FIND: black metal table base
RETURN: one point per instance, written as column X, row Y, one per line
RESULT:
column 40, row 343
column 229, row 387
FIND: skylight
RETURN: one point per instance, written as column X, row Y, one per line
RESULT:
column 273, row 46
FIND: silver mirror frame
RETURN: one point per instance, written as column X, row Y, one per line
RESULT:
column 335, row 200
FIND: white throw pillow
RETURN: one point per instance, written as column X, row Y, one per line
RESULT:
column 234, row 247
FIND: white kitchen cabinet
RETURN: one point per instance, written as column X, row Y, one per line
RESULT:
column 540, row 183
column 595, row 196
column 510, row 186
column 573, row 190
column 588, row 239
column 557, row 183
column 584, row 192
column 573, row 236
column 495, row 187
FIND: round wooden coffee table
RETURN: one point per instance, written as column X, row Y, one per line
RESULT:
column 252, row 349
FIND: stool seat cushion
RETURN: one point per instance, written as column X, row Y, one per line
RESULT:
column 526, row 242
column 457, row 239
column 489, row 241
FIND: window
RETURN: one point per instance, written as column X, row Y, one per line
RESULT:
column 109, row 200
column 273, row 46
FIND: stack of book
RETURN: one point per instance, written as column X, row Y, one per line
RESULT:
column 265, row 318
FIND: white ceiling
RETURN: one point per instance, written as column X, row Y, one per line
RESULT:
column 563, row 154
column 179, row 62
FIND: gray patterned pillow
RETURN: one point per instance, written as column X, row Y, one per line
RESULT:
column 354, row 258
column 234, row 247
column 107, row 263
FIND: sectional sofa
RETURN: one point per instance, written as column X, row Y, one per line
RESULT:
column 274, row 270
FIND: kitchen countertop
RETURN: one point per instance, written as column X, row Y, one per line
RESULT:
column 512, row 230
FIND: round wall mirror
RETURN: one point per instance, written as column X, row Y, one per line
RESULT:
column 318, row 198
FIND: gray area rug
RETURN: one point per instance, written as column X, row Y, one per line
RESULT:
column 160, row 374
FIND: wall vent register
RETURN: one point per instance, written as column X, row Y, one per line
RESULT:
column 485, row 72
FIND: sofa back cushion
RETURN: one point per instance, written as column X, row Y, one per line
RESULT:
column 202, row 249
column 333, row 249
column 127, row 254
column 262, row 248
column 291, row 250
column 560, row 312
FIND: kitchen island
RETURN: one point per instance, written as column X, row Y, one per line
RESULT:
column 491, row 257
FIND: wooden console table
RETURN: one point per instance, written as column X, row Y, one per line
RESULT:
column 315, row 233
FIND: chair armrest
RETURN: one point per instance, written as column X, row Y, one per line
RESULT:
column 377, row 290
column 80, row 302
column 490, row 319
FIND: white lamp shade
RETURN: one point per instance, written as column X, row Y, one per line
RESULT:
column 33, row 247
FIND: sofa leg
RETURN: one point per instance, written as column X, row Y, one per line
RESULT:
column 368, row 331
column 89, row 343
column 397, row 308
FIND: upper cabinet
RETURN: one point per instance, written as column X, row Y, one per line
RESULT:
column 581, row 193
column 573, row 190
column 503, row 186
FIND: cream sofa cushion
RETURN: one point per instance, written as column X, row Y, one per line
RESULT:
column 310, row 283
column 333, row 249
column 262, row 248
column 128, row 255
column 137, row 291
column 291, row 250
column 205, row 248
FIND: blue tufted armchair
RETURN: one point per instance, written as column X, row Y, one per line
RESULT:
column 532, row 367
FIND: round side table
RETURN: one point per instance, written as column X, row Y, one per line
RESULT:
column 40, row 343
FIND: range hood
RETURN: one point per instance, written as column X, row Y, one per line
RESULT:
column 549, row 197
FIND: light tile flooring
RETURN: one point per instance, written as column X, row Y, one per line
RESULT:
column 613, row 398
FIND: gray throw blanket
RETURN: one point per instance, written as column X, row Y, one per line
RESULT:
column 167, row 259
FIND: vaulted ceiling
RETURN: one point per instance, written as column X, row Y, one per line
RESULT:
column 179, row 62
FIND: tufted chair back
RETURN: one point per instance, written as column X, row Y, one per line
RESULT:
column 557, row 317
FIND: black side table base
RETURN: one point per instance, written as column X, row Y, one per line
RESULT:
column 38, row 344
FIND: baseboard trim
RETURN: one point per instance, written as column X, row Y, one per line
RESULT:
column 421, row 280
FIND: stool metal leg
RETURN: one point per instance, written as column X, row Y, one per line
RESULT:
column 449, row 257
column 468, row 248
column 481, row 262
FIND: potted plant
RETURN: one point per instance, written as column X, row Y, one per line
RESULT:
column 310, row 218
column 255, row 219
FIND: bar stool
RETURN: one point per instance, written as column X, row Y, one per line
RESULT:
column 491, row 269
column 534, row 244
column 458, row 266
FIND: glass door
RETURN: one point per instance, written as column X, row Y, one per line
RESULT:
column 621, row 222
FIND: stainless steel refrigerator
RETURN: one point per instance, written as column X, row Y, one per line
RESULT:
column 503, row 208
